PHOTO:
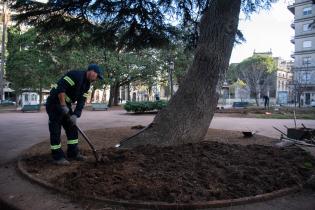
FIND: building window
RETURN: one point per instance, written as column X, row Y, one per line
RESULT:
column 34, row 97
column 307, row 11
column 306, row 61
column 306, row 27
column 306, row 77
column 282, row 85
column 307, row 44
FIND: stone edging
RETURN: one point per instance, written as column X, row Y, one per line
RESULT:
column 164, row 205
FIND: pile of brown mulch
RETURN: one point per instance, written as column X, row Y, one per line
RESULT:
column 225, row 166
column 189, row 173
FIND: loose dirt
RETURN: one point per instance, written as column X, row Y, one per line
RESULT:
column 224, row 166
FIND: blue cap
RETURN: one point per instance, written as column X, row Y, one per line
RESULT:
column 97, row 69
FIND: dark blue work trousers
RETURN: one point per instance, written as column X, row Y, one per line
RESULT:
column 56, row 120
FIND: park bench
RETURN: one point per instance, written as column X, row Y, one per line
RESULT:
column 30, row 108
column 240, row 104
column 99, row 106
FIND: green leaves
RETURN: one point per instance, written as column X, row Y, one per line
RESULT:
column 28, row 66
column 125, row 24
column 144, row 106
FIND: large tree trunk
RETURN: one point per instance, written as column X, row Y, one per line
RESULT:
column 189, row 112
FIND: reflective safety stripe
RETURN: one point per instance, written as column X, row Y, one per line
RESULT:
column 73, row 141
column 69, row 80
column 85, row 95
column 53, row 147
column 53, row 86
column 68, row 99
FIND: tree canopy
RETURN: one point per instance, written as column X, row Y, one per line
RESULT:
column 126, row 23
column 27, row 65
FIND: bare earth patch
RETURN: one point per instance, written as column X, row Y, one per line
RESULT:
column 224, row 166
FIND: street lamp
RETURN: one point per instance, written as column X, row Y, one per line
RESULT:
column 4, row 29
column 171, row 76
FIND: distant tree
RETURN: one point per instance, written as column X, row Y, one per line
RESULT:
column 232, row 74
column 28, row 67
column 130, row 67
column 36, row 62
column 257, row 72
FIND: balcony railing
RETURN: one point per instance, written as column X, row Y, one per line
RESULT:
column 291, row 6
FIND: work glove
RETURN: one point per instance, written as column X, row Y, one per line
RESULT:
column 73, row 119
column 64, row 109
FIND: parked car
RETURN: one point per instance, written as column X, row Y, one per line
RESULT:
column 7, row 102
column 313, row 103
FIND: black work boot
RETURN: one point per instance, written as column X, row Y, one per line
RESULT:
column 59, row 157
column 77, row 157
column 61, row 162
column 73, row 153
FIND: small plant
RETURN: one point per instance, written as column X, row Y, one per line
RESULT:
column 144, row 106
column 308, row 165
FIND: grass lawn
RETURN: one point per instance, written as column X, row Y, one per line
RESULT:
column 310, row 116
column 272, row 113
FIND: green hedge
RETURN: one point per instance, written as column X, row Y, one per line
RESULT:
column 144, row 106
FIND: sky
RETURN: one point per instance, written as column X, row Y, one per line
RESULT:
column 268, row 29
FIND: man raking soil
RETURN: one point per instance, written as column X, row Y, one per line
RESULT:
column 72, row 87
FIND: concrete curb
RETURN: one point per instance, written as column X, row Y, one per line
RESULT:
column 163, row 205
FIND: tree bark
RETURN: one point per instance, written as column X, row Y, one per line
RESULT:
column 190, row 111
column 92, row 94
column 111, row 95
column 128, row 97
column 104, row 94
column 256, row 99
column 116, row 94
column 40, row 93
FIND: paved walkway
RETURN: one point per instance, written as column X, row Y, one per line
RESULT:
column 18, row 131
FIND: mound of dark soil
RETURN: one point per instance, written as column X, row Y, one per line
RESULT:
column 188, row 173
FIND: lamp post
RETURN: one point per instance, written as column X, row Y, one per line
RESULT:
column 171, row 77
column 4, row 29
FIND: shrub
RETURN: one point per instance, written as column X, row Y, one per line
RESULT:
column 144, row 106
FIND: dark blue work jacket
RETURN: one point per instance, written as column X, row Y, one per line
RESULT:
column 76, row 86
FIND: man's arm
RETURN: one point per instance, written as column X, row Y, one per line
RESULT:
column 62, row 98
column 80, row 104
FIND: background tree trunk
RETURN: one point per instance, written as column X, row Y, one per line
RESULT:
column 40, row 93
column 189, row 112
column 256, row 99
column 104, row 94
column 116, row 94
column 92, row 94
column 111, row 96
column 128, row 97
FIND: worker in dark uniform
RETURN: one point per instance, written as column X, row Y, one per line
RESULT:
column 72, row 87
